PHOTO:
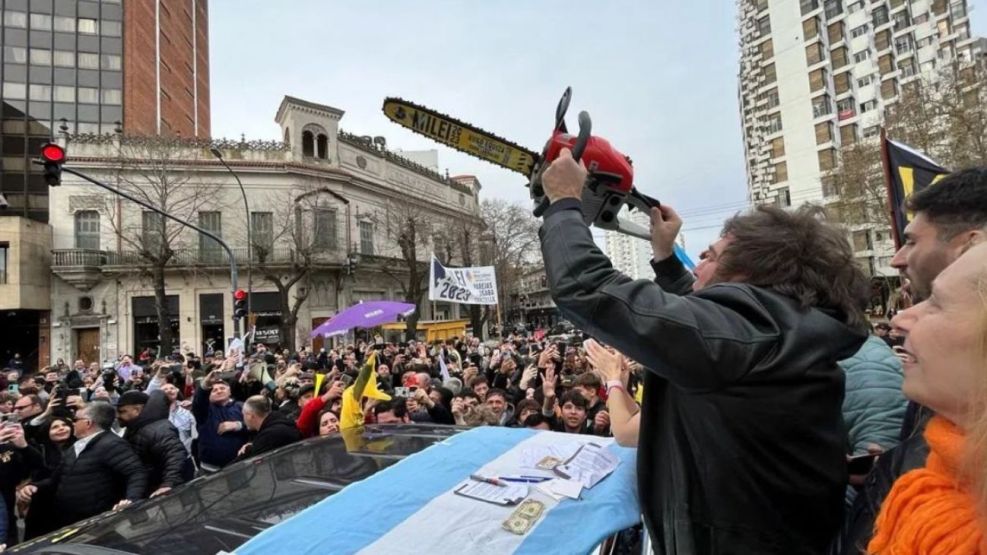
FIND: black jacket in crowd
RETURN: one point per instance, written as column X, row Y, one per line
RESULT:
column 105, row 472
column 858, row 528
column 742, row 444
column 156, row 442
column 276, row 431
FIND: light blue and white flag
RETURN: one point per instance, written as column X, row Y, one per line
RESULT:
column 410, row 507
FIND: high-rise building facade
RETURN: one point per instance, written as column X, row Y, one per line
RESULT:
column 166, row 68
column 631, row 255
column 816, row 75
column 82, row 67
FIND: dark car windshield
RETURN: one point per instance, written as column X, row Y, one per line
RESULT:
column 221, row 512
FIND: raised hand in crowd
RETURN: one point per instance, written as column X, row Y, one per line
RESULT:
column 550, row 353
column 623, row 413
column 608, row 365
column 334, row 391
column 13, row 434
column 529, row 374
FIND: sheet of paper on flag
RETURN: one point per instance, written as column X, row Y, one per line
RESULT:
column 589, row 465
column 508, row 494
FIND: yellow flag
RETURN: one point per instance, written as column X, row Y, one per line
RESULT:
column 352, row 412
column 319, row 378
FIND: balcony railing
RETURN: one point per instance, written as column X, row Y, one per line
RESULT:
column 78, row 257
column 62, row 258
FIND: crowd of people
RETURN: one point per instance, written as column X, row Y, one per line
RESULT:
column 80, row 440
column 770, row 415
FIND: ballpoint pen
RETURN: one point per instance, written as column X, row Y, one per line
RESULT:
column 524, row 479
column 492, row 481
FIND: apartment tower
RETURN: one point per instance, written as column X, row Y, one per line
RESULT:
column 819, row 74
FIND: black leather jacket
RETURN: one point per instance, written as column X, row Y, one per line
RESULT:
column 742, row 444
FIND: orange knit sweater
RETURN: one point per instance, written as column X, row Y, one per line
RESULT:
column 929, row 510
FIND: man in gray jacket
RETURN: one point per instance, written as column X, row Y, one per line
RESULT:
column 742, row 445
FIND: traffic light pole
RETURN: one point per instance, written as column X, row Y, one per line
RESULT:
column 237, row 323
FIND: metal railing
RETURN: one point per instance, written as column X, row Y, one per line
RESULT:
column 190, row 257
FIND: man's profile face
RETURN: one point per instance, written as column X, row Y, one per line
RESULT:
column 709, row 261
column 922, row 256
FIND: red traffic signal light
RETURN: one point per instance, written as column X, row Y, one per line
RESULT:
column 53, row 156
column 52, row 153
column 239, row 303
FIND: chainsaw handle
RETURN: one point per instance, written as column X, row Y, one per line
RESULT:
column 561, row 109
column 585, row 128
column 641, row 201
column 578, row 148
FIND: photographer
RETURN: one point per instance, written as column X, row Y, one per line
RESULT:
column 742, row 439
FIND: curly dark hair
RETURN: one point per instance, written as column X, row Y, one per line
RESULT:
column 956, row 204
column 797, row 254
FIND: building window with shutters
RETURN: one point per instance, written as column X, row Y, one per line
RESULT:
column 824, row 132
column 152, row 231
column 817, row 80
column 262, row 234
column 324, row 224
column 87, row 230
column 784, row 198
column 848, row 134
column 209, row 249
column 770, row 75
column 366, row 238
column 780, row 172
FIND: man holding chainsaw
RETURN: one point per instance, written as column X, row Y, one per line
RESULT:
column 741, row 446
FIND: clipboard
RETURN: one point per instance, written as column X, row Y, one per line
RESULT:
column 512, row 495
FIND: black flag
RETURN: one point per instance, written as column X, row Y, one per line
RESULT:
column 910, row 171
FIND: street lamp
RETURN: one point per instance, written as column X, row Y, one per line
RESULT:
column 250, row 242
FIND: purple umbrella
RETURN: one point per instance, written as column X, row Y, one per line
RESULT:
column 364, row 315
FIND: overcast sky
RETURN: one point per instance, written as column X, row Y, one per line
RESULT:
column 658, row 78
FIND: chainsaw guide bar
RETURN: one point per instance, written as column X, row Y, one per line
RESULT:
column 460, row 136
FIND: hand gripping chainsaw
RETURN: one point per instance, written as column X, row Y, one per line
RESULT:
column 609, row 185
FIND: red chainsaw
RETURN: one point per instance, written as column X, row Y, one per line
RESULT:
column 609, row 185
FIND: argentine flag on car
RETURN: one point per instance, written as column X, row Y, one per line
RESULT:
column 410, row 507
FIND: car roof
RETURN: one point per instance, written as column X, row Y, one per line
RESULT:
column 222, row 511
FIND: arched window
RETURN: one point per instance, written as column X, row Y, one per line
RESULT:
column 287, row 136
column 308, row 144
column 87, row 230
column 322, row 145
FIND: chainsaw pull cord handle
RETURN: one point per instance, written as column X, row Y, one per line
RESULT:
column 585, row 128
column 561, row 109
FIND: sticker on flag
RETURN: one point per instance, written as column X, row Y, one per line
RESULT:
column 475, row 285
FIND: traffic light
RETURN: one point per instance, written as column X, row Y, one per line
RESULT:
column 53, row 157
column 239, row 303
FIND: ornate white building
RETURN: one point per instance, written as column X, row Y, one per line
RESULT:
column 322, row 200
